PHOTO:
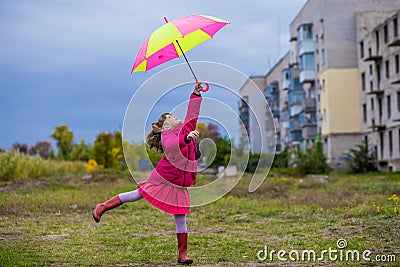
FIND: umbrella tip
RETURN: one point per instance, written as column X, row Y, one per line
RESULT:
column 166, row 20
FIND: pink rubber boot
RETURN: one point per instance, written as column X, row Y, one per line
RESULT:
column 110, row 204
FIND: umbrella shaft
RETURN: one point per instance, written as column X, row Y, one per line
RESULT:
column 194, row 75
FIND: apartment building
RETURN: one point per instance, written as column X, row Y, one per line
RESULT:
column 378, row 40
column 263, row 95
column 252, row 109
column 323, row 90
column 324, row 51
column 277, row 101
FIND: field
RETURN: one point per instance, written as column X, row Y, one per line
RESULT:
column 48, row 222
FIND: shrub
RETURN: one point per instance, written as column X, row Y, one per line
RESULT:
column 313, row 161
column 16, row 166
column 361, row 158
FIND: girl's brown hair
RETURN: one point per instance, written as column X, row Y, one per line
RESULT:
column 153, row 139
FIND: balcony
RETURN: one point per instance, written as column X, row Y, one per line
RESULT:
column 296, row 136
column 378, row 93
column 306, row 46
column 309, row 104
column 310, row 132
column 285, row 84
column 377, row 126
column 285, row 79
column 373, row 57
column 308, row 119
column 295, row 97
column 396, row 42
column 397, row 81
column 275, row 113
column 307, row 76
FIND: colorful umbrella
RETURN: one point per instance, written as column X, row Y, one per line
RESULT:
column 174, row 38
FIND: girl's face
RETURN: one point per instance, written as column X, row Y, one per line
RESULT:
column 171, row 121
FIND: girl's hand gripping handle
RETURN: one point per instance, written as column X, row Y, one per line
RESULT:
column 199, row 87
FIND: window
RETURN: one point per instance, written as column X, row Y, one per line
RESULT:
column 322, row 28
column 307, row 61
column 380, row 107
column 398, row 102
column 389, row 107
column 371, row 86
column 387, row 68
column 385, row 33
column 390, row 144
column 365, row 112
column 378, row 74
column 324, row 117
column 371, row 70
column 305, row 32
column 396, row 58
column 377, row 41
column 323, row 56
column 382, row 144
column 372, row 104
column 362, row 49
column 323, row 86
column 363, row 81
column 395, row 27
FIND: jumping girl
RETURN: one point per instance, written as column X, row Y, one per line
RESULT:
column 166, row 186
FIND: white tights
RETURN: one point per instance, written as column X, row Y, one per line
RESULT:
column 180, row 219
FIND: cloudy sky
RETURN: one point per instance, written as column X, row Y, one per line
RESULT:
column 69, row 61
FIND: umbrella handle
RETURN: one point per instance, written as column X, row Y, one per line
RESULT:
column 207, row 87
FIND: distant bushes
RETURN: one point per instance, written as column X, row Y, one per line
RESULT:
column 16, row 166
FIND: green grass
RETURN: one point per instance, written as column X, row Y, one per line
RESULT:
column 50, row 223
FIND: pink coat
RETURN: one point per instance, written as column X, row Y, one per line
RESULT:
column 179, row 164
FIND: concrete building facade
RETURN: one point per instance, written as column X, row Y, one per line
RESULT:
column 378, row 40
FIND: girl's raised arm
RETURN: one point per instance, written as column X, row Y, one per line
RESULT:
column 193, row 110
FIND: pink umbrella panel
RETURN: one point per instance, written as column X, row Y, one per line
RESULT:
column 174, row 38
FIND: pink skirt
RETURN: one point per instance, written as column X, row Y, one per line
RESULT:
column 166, row 196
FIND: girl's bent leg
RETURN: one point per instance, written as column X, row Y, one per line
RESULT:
column 114, row 202
column 130, row 196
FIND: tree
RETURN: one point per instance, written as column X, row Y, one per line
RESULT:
column 80, row 151
column 21, row 148
column 202, row 128
column 361, row 158
column 223, row 152
column 212, row 132
column 107, row 150
column 42, row 149
column 154, row 157
column 64, row 138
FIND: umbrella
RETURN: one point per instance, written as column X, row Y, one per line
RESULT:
column 174, row 38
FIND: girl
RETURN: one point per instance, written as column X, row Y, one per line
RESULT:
column 166, row 186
